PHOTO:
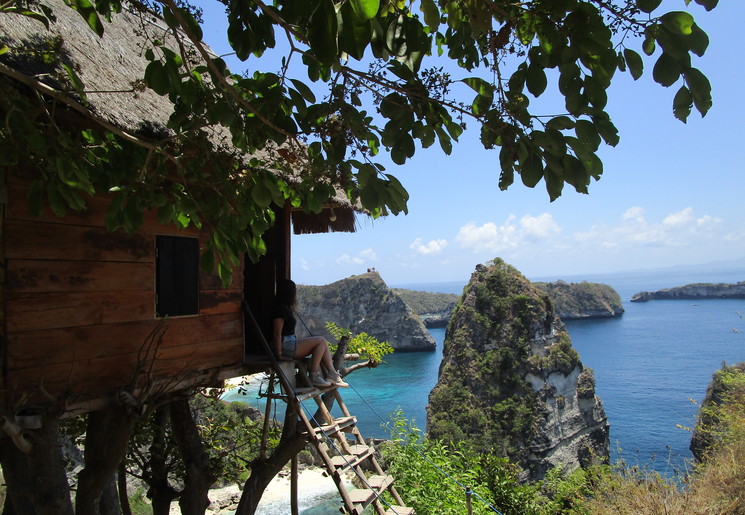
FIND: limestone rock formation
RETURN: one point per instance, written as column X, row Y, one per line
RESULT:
column 573, row 301
column 363, row 303
column 435, row 309
column 510, row 382
column 694, row 291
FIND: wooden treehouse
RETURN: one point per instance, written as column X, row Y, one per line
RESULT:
column 86, row 313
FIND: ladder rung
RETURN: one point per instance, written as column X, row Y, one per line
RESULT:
column 342, row 463
column 339, row 424
column 379, row 482
column 399, row 510
column 303, row 394
column 360, row 448
column 361, row 495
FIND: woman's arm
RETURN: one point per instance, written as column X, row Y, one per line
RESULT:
column 277, row 325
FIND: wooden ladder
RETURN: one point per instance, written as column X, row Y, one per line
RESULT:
column 343, row 449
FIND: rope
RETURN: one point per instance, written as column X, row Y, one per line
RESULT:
column 466, row 489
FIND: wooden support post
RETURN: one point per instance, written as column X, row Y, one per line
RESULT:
column 468, row 500
column 267, row 413
column 293, row 485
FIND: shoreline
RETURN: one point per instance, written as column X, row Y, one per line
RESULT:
column 312, row 485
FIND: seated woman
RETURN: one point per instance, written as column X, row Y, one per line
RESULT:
column 287, row 345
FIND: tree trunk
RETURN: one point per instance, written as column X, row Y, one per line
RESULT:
column 106, row 440
column 160, row 491
column 36, row 482
column 199, row 478
column 121, row 479
column 263, row 472
column 109, row 504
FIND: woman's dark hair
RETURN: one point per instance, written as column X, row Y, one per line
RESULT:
column 286, row 293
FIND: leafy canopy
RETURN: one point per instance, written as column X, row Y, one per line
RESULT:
column 358, row 79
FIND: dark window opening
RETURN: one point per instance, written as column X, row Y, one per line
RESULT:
column 177, row 276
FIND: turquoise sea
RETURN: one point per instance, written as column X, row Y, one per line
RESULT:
column 652, row 365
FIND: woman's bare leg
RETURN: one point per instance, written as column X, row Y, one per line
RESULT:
column 318, row 347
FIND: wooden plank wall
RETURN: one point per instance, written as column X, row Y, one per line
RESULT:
column 79, row 303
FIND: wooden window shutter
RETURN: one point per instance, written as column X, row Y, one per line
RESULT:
column 177, row 276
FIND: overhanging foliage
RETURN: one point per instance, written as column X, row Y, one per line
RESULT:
column 358, row 78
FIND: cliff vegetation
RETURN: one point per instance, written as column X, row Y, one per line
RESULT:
column 433, row 308
column 511, row 384
column 582, row 300
column 427, row 470
column 363, row 304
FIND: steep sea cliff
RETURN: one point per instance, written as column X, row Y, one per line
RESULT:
column 510, row 381
column 364, row 303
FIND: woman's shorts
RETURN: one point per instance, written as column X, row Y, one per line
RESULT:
column 289, row 346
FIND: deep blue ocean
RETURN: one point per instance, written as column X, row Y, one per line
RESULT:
column 652, row 365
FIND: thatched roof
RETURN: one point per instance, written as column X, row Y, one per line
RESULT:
column 111, row 68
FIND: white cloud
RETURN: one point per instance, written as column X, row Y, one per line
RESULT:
column 433, row 247
column 681, row 228
column 540, row 227
column 368, row 254
column 363, row 257
column 510, row 235
column 346, row 259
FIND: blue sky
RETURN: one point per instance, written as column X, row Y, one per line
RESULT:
column 671, row 193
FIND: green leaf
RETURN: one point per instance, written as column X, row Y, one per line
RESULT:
column 431, row 14
column 354, row 35
column 575, row 174
column 76, row 82
column 304, row 90
column 322, row 32
column 479, row 85
column 261, row 195
column 531, row 170
column 679, row 22
column 634, row 62
column 23, row 12
column 606, row 129
column 648, row 6
column 395, row 36
column 700, row 89
column 89, row 14
column 535, row 79
column 365, row 9
column 649, row 45
column 3, row 49
column 191, row 23
column 682, row 104
column 587, row 134
column 666, row 70
column 708, row 4
column 595, row 93
column 560, row 123
column 554, row 184
column 157, row 78
column 698, row 41
column 403, row 148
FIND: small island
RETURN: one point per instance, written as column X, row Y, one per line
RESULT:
column 571, row 301
column 695, row 291
column 578, row 301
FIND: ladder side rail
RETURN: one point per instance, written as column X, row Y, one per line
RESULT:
column 321, row 448
column 284, row 381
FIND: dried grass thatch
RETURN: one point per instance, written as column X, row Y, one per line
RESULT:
column 111, row 70
column 333, row 219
